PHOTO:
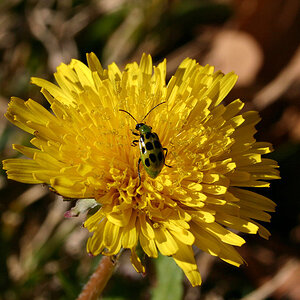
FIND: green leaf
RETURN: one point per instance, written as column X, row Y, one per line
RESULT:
column 169, row 280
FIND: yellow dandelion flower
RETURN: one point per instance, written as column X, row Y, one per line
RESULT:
column 83, row 150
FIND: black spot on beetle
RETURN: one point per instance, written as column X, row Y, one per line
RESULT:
column 142, row 137
column 152, row 157
column 148, row 134
column 157, row 144
column 147, row 162
column 154, row 135
column 143, row 150
column 160, row 156
column 149, row 146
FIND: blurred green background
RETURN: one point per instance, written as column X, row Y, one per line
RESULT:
column 42, row 255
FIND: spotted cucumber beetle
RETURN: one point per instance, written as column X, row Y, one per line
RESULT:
column 151, row 150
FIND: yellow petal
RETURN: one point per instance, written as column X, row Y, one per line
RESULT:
column 221, row 87
column 130, row 234
column 205, row 241
column 136, row 262
column 148, row 245
column 53, row 89
column 186, row 261
column 236, row 223
column 146, row 228
column 223, row 234
column 95, row 243
column 94, row 63
column 232, row 109
column 120, row 218
column 110, row 235
column 165, row 242
column 185, row 236
column 254, row 200
column 230, row 255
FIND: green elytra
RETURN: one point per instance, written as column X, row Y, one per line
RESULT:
column 151, row 150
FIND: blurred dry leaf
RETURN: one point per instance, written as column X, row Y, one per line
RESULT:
column 284, row 283
column 237, row 51
column 275, row 26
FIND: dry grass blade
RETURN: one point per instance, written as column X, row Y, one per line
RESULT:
column 288, row 271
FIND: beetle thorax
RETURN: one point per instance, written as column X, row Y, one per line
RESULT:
column 143, row 128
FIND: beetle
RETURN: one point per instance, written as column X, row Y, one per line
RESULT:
column 151, row 150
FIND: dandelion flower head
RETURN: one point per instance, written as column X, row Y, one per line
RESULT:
column 82, row 149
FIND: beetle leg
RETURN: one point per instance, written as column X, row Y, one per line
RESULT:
column 134, row 133
column 139, row 173
column 134, row 143
column 166, row 149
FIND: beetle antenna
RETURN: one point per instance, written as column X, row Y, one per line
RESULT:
column 152, row 109
column 129, row 114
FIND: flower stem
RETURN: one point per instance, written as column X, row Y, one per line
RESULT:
column 98, row 279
